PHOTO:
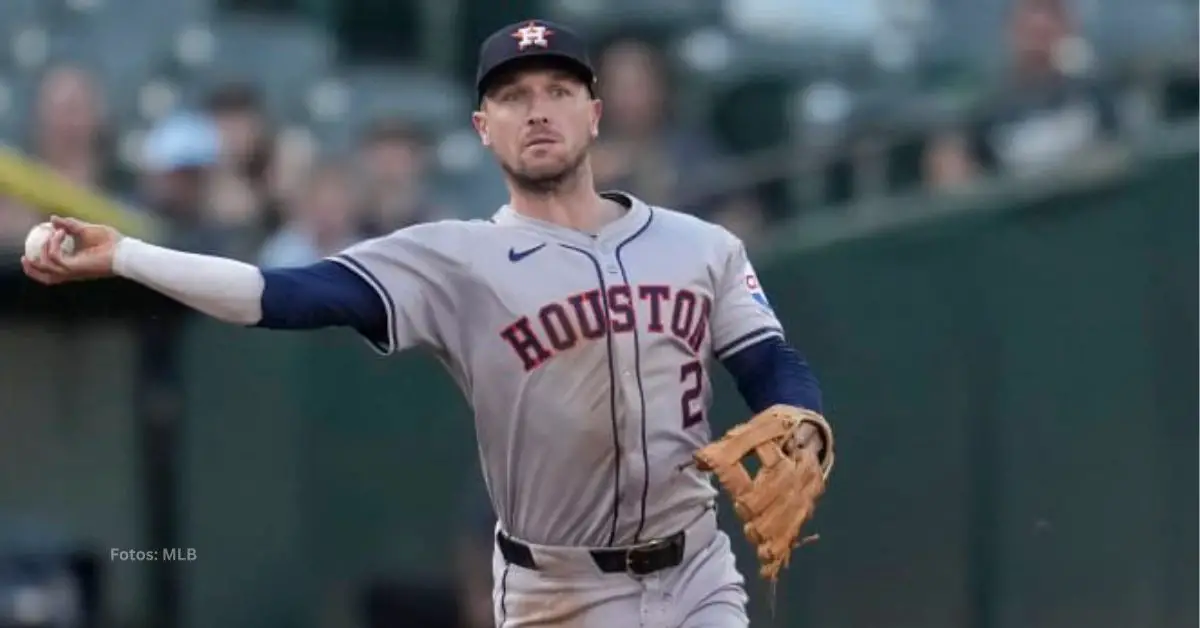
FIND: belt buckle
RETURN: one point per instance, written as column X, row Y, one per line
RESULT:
column 636, row 558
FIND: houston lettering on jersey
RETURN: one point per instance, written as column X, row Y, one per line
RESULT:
column 561, row 326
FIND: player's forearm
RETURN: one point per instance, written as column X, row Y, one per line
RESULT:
column 222, row 288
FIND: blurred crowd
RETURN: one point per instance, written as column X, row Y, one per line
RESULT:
column 231, row 182
column 225, row 181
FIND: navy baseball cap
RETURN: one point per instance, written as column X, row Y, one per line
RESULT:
column 532, row 39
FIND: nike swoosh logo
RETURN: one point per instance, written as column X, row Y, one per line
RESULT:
column 516, row 256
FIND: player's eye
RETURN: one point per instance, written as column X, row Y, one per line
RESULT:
column 509, row 95
column 558, row 91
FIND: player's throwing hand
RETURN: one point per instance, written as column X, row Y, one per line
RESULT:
column 92, row 257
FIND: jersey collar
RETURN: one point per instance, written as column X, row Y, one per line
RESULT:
column 633, row 221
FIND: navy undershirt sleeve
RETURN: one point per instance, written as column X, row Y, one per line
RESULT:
column 324, row 294
column 772, row 372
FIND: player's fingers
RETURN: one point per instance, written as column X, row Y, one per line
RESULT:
column 52, row 250
column 52, row 257
column 42, row 265
column 69, row 225
column 37, row 273
column 808, row 436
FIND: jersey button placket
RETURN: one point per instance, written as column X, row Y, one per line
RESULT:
column 625, row 386
column 626, row 352
column 631, row 438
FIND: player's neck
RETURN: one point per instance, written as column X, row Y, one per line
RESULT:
column 575, row 205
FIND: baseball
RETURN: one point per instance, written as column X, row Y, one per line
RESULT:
column 37, row 239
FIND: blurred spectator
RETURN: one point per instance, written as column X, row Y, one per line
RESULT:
column 948, row 163
column 179, row 159
column 242, row 178
column 296, row 153
column 395, row 159
column 642, row 151
column 322, row 222
column 1046, row 112
column 68, row 135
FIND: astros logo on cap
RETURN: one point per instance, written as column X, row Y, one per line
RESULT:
column 532, row 34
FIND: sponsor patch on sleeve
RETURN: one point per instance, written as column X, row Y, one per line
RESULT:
column 755, row 288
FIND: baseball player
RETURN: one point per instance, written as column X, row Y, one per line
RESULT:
column 581, row 326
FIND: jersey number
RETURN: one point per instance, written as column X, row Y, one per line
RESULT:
column 691, row 375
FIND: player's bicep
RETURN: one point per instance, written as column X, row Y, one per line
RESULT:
column 409, row 275
column 324, row 294
column 742, row 315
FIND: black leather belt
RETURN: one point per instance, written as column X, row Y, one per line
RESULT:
column 639, row 560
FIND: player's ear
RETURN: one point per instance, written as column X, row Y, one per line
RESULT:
column 479, row 121
column 597, row 109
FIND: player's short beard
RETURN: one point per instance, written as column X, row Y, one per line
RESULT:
column 546, row 182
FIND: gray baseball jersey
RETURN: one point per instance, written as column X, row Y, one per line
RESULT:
column 585, row 358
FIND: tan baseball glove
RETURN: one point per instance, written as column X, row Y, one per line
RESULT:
column 781, row 497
